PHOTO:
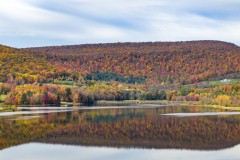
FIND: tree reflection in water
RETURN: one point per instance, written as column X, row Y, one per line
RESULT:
column 142, row 128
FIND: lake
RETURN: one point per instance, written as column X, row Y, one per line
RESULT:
column 141, row 131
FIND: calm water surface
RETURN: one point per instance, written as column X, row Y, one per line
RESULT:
column 120, row 132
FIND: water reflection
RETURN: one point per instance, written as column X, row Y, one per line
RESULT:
column 39, row 151
column 134, row 127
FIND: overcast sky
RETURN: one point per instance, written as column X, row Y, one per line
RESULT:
column 28, row 23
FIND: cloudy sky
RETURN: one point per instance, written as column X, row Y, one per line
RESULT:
column 28, row 23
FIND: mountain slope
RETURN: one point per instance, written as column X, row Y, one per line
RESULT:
column 23, row 66
column 157, row 62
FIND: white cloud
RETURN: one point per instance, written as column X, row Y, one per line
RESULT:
column 52, row 22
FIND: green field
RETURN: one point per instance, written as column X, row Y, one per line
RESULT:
column 71, row 83
column 2, row 97
column 209, row 84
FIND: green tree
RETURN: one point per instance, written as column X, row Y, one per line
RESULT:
column 24, row 99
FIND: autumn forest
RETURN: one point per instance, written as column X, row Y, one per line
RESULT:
column 196, row 71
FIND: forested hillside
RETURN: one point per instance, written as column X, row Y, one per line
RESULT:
column 179, row 71
column 153, row 62
column 19, row 66
column 158, row 62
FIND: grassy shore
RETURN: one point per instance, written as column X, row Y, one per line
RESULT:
column 164, row 102
column 7, row 108
column 131, row 102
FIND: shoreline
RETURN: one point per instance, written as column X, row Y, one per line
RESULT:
column 209, row 105
column 129, row 102
column 164, row 102
column 102, row 102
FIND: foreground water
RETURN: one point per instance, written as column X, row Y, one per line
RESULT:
column 38, row 151
column 120, row 132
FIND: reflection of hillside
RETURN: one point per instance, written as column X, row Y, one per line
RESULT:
column 194, row 133
column 18, row 132
column 111, row 118
column 124, row 128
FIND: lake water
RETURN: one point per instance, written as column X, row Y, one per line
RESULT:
column 120, row 132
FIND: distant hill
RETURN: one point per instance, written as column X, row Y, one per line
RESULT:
column 141, row 47
column 154, row 62
column 151, row 62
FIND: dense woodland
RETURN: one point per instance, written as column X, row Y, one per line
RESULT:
column 159, row 62
column 120, row 71
column 21, row 67
column 51, row 94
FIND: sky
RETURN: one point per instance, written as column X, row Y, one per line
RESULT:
column 32, row 23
